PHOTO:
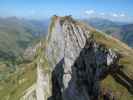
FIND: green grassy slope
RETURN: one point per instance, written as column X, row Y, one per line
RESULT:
column 14, row 85
column 16, row 75
column 126, row 60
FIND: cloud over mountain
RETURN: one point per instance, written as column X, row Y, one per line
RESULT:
column 115, row 16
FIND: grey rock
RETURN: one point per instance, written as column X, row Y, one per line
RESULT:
column 83, row 61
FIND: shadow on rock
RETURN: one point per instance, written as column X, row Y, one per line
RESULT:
column 88, row 70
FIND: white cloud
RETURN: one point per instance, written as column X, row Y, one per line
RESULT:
column 88, row 12
column 115, row 15
column 122, row 15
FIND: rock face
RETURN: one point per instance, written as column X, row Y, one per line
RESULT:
column 42, row 83
column 78, row 62
column 43, row 87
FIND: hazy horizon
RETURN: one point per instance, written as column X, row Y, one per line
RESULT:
column 116, row 10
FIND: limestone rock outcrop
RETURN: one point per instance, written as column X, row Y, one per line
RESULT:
column 77, row 60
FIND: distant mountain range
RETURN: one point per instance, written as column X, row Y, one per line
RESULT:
column 122, row 31
column 17, row 34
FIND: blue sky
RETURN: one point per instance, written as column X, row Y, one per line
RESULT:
column 113, row 9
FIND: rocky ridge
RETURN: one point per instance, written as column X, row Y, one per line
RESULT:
column 81, row 58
